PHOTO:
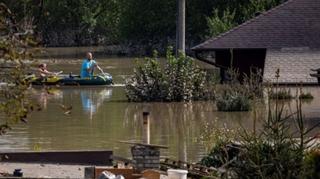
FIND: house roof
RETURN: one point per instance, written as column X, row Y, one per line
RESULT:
column 294, row 65
column 295, row 23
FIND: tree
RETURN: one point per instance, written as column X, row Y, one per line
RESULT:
column 145, row 24
column 228, row 14
column 15, row 44
column 218, row 25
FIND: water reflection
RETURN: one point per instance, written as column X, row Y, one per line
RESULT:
column 100, row 117
column 45, row 95
column 92, row 99
column 177, row 125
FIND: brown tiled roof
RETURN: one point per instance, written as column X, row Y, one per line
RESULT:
column 295, row 23
column 295, row 66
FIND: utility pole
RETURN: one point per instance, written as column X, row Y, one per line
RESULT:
column 181, row 27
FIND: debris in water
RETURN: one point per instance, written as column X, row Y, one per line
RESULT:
column 65, row 108
column 67, row 113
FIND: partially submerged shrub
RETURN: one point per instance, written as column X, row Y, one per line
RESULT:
column 286, row 94
column 253, row 83
column 277, row 151
column 281, row 94
column 234, row 96
column 179, row 80
column 305, row 95
column 148, row 83
column 233, row 101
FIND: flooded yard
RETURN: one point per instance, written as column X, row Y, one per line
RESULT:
column 101, row 117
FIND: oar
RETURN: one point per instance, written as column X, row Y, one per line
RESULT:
column 99, row 68
column 58, row 73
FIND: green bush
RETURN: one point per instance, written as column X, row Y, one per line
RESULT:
column 279, row 150
column 234, row 95
column 281, row 94
column 179, row 80
column 305, row 95
column 221, row 153
column 312, row 164
column 17, row 45
column 218, row 25
column 233, row 101
column 147, row 83
column 286, row 94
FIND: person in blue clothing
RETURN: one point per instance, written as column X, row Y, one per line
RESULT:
column 88, row 66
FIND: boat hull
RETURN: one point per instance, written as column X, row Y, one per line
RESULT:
column 74, row 80
column 95, row 80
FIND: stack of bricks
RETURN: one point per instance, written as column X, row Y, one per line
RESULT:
column 145, row 157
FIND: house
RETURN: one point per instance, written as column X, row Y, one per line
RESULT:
column 286, row 37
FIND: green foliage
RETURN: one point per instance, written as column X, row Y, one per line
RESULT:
column 147, row 20
column 212, row 135
column 147, row 83
column 218, row 25
column 186, row 80
column 220, row 154
column 228, row 14
column 281, row 94
column 237, row 96
column 306, row 95
column 262, row 160
column 179, row 80
column 312, row 164
column 150, row 23
column 277, row 151
column 233, row 101
column 15, row 47
column 70, row 22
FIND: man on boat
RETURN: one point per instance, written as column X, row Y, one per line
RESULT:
column 88, row 66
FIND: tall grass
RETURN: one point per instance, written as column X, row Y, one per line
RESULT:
column 236, row 95
column 280, row 149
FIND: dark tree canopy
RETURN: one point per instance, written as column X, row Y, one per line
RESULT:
column 143, row 22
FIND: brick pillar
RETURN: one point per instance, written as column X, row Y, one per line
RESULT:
column 145, row 157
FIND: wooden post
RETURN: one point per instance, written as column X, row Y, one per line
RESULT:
column 181, row 27
column 146, row 128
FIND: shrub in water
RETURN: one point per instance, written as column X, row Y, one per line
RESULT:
column 236, row 95
column 305, row 95
column 179, row 80
column 274, row 152
column 148, row 82
column 281, row 94
column 233, row 101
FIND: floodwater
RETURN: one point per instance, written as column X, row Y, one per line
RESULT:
column 101, row 117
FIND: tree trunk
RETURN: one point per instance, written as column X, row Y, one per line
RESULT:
column 181, row 27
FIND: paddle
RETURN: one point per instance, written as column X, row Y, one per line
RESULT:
column 100, row 69
column 58, row 73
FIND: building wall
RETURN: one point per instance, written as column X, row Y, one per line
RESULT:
column 294, row 65
column 243, row 60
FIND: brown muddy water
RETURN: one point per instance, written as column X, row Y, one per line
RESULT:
column 101, row 117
